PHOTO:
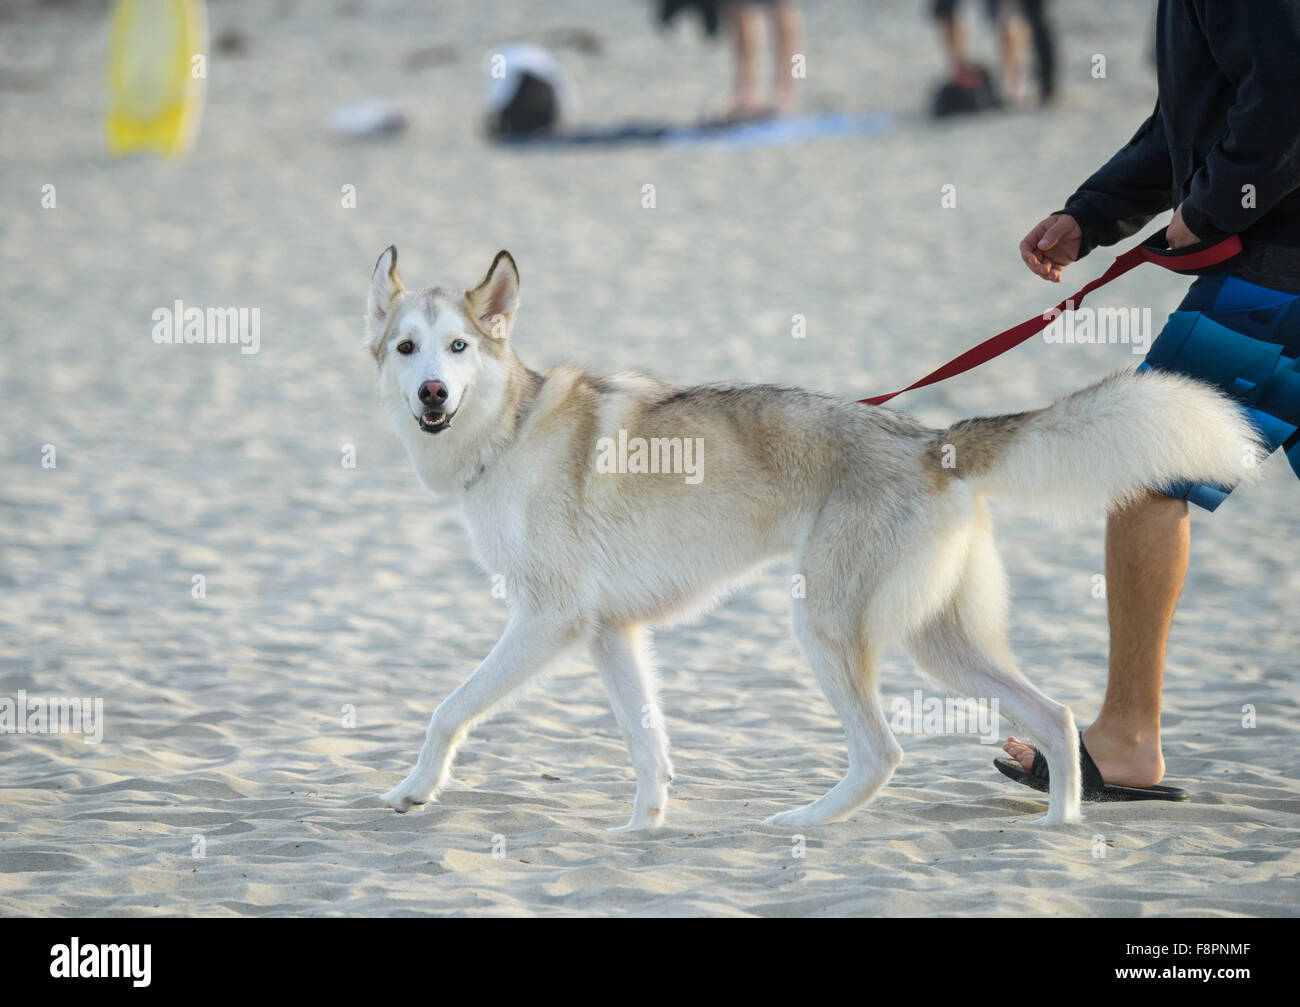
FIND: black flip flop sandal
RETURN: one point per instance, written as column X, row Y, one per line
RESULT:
column 1094, row 787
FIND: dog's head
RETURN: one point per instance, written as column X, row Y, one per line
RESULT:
column 436, row 349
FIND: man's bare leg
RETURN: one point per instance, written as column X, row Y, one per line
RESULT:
column 1147, row 546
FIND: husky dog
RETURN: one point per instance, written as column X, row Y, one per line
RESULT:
column 612, row 504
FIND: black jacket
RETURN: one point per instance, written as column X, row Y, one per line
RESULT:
column 1224, row 140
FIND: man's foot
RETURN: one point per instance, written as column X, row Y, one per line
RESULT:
column 1093, row 785
column 1123, row 763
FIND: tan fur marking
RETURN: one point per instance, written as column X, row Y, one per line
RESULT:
column 977, row 443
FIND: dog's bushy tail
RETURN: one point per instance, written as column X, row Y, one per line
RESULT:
column 1104, row 445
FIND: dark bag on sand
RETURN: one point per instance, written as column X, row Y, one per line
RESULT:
column 533, row 109
column 972, row 92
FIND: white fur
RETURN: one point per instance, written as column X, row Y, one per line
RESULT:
column 1095, row 449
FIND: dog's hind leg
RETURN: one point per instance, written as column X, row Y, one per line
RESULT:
column 621, row 657
column 834, row 641
column 525, row 648
column 965, row 647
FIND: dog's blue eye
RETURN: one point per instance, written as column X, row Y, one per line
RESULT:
column 405, row 346
column 458, row 345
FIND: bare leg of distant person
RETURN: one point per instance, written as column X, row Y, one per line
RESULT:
column 952, row 33
column 1013, row 47
column 789, row 38
column 1147, row 546
column 746, row 24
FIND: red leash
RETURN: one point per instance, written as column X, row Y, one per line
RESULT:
column 1191, row 259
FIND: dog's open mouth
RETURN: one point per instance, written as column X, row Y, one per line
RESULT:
column 433, row 422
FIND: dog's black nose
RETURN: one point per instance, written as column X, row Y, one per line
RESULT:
column 433, row 393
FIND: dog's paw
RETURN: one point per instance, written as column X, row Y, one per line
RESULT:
column 1053, row 818
column 640, row 823
column 397, row 802
column 406, row 796
column 792, row 819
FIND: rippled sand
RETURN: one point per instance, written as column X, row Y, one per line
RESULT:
column 259, row 724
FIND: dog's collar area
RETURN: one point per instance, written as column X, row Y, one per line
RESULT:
column 522, row 409
column 473, row 480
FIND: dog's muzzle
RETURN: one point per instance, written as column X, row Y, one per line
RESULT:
column 433, row 422
column 433, row 396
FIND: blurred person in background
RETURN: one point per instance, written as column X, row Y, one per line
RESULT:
column 1016, row 22
column 745, row 21
column 746, row 25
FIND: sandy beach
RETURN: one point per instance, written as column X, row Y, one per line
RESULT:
column 249, row 731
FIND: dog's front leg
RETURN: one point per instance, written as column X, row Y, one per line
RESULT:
column 619, row 653
column 528, row 644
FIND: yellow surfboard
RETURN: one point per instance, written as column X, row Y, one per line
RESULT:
column 157, row 69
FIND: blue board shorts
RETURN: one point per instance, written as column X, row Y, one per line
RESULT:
column 1245, row 340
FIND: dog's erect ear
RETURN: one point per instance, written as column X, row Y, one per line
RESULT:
column 385, row 286
column 494, row 301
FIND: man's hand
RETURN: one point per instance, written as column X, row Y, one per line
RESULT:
column 1178, row 234
column 1051, row 246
